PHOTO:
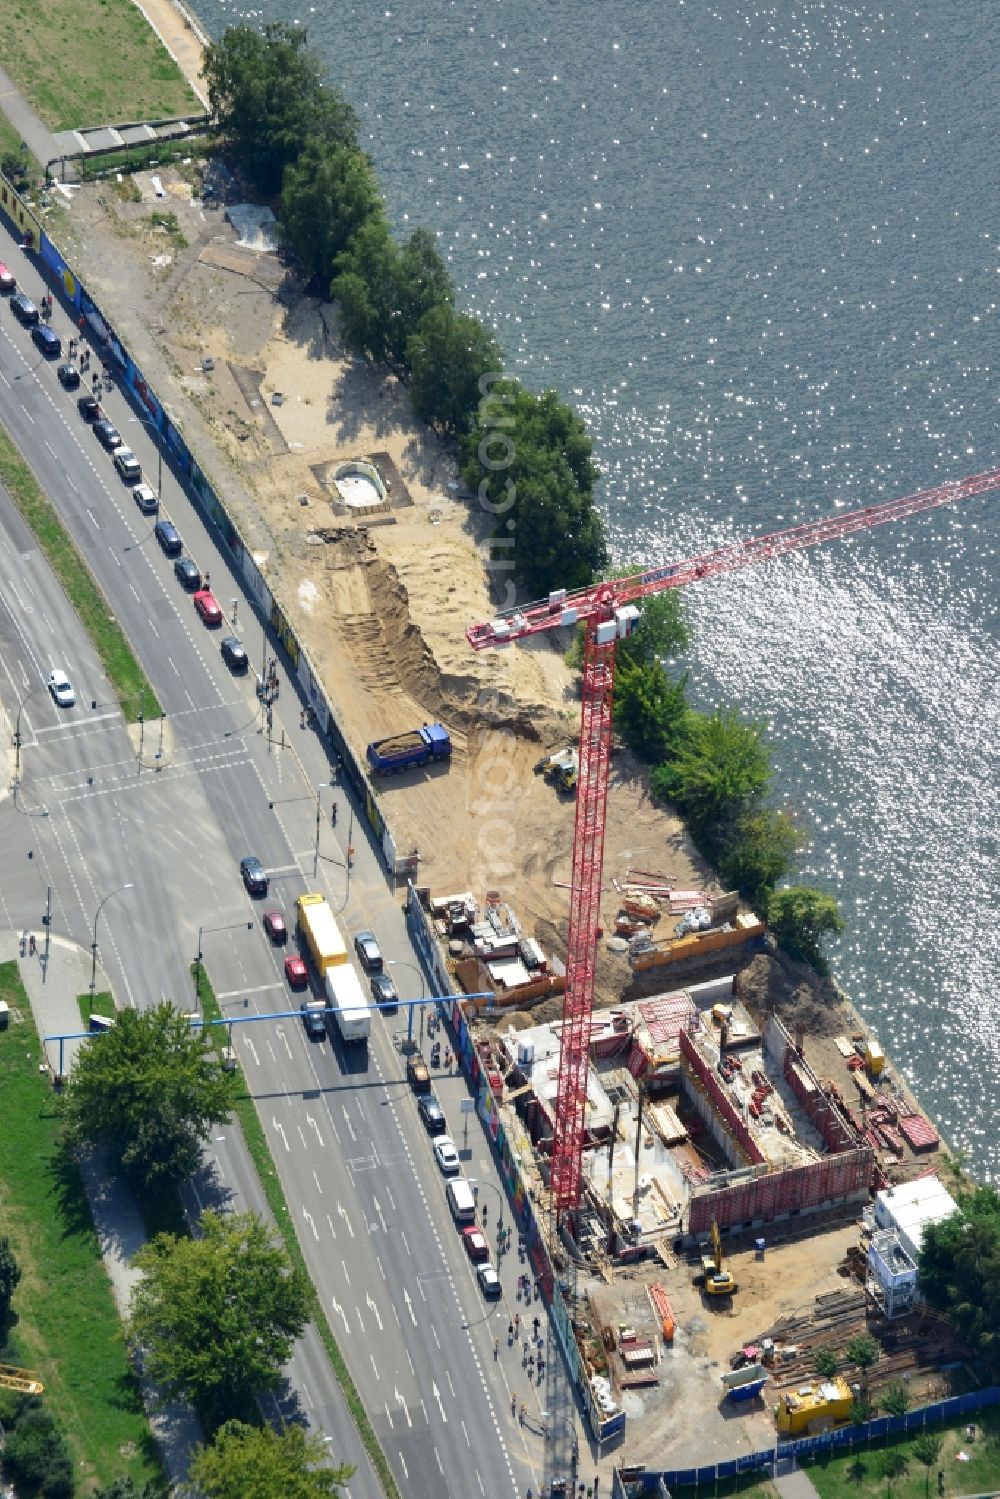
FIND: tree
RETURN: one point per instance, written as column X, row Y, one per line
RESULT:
column 959, row 1270
column 825, row 1361
column 926, row 1450
column 149, row 1092
column 328, row 192
column 35, row 1456
column 719, row 770
column 447, row 355
column 759, row 852
column 218, row 1315
column 400, row 284
column 126, row 1488
column 270, row 99
column 650, row 709
column 895, row 1399
column 423, row 282
column 10, row 1274
column 892, row 1464
column 252, row 1462
column 863, row 1351
column 662, row 631
column 800, row 917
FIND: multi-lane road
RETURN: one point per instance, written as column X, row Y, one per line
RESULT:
column 89, row 818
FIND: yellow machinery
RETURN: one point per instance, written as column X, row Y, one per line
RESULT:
column 561, row 768
column 814, row 1406
column 22, row 1380
column 716, row 1280
column 874, row 1056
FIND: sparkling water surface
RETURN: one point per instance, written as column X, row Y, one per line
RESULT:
column 757, row 246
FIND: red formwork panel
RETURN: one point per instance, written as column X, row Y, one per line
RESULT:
column 768, row 1197
column 721, row 1101
column 917, row 1133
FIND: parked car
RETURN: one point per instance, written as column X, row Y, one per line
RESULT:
column 234, row 654
column 369, row 954
column 253, row 874
column 274, row 926
column 61, row 688
column 296, row 972
column 69, row 376
column 447, row 1156
column 475, row 1243
column 489, row 1282
column 127, row 465
column 47, row 339
column 89, row 407
column 146, row 499
column 8, row 281
column 432, row 1114
column 207, row 606
column 24, row 309
column 187, row 574
column 384, row 991
column 168, row 536
column 107, row 434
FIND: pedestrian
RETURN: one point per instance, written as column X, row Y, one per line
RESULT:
column 510, row 1333
column 522, row 1413
column 31, row 944
column 496, row 1349
column 486, row 1214
column 597, row 1480
column 517, row 1315
column 206, row 577
column 82, row 323
column 535, row 1324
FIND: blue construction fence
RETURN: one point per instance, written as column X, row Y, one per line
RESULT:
column 92, row 320
column 632, row 1483
column 604, row 1426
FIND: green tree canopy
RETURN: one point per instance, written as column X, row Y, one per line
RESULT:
column 127, row 1488
column 863, row 1351
column 217, row 1316
column 447, row 355
column 758, row 852
column 721, row 768
column 650, row 710
column 328, row 192
column 384, row 289
column 800, row 917
column 926, row 1449
column 254, row 1462
column 149, row 1092
column 35, row 1455
column 10, row 1274
column 270, row 98
column 959, row 1270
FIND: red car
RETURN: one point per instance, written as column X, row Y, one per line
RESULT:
column 274, row 926
column 208, row 607
column 295, row 972
column 475, row 1243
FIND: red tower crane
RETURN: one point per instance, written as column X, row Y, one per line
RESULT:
column 608, row 611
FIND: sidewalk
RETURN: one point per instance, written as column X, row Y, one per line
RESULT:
column 54, row 980
column 41, row 142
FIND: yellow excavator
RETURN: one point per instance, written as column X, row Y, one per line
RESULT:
column 24, row 1381
column 714, row 1280
column 561, row 768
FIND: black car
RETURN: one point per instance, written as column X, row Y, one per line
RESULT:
column 24, row 309
column 168, row 536
column 314, row 1019
column 384, row 991
column 69, row 376
column 234, row 654
column 432, row 1114
column 253, row 874
column 47, row 340
column 107, row 434
column 187, row 574
column 89, row 407
column 368, row 952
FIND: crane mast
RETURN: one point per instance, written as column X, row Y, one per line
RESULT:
column 608, row 612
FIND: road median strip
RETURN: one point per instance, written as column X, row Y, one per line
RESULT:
column 128, row 680
column 256, row 1140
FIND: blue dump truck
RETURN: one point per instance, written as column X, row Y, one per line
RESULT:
column 404, row 751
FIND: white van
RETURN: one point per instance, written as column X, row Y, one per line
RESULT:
column 461, row 1200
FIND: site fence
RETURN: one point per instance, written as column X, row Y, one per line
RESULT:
column 633, row 1483
column 87, row 314
column 506, row 1154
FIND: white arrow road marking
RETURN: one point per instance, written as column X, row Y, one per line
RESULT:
column 343, row 1213
column 401, row 1402
column 332, row 1229
column 350, row 1126
column 340, row 1313
column 378, row 1209
column 251, row 1049
column 280, row 1032
column 309, row 1219
column 378, row 1319
column 319, row 1134
column 409, row 1305
column 347, row 1278
column 437, row 1397
column 280, row 1130
column 302, row 1137
column 319, row 1189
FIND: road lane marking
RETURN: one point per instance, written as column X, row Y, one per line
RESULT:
column 239, row 993
column 441, row 1465
column 281, row 1131
column 309, row 1219
column 447, row 1375
column 406, row 1242
column 437, row 1397
column 392, row 1203
column 93, row 517
column 378, row 1319
column 409, row 1361
column 375, row 1367
column 467, row 1442
column 404, row 1467
column 319, row 1189
column 340, row 1313
column 409, row 1308
column 319, row 1133
column 381, row 1219
column 436, row 1338
column 332, row 1229
column 248, row 1043
column 402, row 1405
column 388, row 1417
column 380, row 1267
column 279, row 1031
column 343, row 1213
column 347, row 1278
column 350, row 1126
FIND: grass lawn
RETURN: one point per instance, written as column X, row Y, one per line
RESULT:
column 90, row 62
column 128, row 680
column 855, row 1475
column 98, row 1004
column 66, row 1324
column 253, row 1133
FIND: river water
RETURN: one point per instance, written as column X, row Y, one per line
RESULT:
column 757, row 247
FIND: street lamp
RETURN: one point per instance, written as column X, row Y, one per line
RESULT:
column 323, row 786
column 205, row 931
column 93, row 945
column 159, row 451
column 474, row 1182
column 17, row 732
column 403, row 963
